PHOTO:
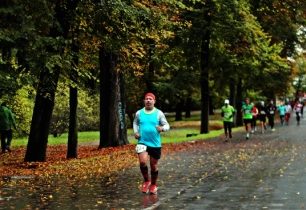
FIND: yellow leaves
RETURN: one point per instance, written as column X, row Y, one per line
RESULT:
column 99, row 202
column 91, row 162
column 140, row 5
column 243, row 156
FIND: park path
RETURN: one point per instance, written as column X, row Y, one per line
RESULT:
column 270, row 176
column 265, row 172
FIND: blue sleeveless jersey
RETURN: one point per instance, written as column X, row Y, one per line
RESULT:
column 147, row 129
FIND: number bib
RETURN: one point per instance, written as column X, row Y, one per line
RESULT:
column 140, row 148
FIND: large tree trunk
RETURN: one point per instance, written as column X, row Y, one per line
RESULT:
column 73, row 131
column 205, row 72
column 44, row 103
column 72, row 145
column 112, row 105
column 188, row 107
column 178, row 110
column 239, row 121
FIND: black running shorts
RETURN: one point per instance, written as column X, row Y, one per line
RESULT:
column 154, row 152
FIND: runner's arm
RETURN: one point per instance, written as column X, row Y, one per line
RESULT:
column 163, row 121
column 136, row 125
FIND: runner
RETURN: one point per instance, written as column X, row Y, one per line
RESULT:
column 271, row 108
column 247, row 116
column 227, row 112
column 288, row 112
column 282, row 111
column 262, row 116
column 254, row 119
column 149, row 122
column 7, row 123
column 298, row 111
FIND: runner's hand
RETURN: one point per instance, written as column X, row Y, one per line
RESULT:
column 159, row 128
column 137, row 136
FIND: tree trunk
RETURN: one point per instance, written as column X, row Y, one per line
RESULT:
column 44, row 103
column 112, row 105
column 188, row 107
column 73, row 131
column 232, row 92
column 204, row 77
column 149, row 74
column 178, row 110
column 239, row 120
column 72, row 145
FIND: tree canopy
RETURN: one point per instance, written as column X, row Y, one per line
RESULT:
column 198, row 51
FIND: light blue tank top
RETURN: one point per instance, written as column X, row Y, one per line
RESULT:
column 147, row 128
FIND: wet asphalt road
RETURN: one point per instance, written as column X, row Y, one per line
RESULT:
column 266, row 172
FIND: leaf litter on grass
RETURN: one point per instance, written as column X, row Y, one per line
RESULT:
column 92, row 162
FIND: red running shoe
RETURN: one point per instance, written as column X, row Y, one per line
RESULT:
column 153, row 189
column 145, row 187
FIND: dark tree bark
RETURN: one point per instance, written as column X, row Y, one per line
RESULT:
column 188, row 107
column 112, row 105
column 178, row 110
column 72, row 145
column 239, row 121
column 149, row 74
column 232, row 92
column 73, row 131
column 205, row 92
column 44, row 102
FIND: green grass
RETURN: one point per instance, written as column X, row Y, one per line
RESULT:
column 173, row 136
column 88, row 136
column 178, row 132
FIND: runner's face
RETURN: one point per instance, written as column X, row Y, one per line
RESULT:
column 149, row 102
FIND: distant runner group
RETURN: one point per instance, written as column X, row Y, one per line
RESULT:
column 252, row 113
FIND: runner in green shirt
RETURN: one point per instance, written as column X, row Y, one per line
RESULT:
column 227, row 112
column 7, row 123
column 247, row 116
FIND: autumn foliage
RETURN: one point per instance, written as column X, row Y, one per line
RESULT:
column 91, row 162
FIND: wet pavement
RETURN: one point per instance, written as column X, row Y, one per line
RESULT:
column 265, row 172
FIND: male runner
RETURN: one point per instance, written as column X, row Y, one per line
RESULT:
column 262, row 116
column 271, row 108
column 247, row 116
column 227, row 112
column 149, row 122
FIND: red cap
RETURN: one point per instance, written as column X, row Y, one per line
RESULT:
column 151, row 95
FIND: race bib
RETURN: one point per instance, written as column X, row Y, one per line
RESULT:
column 262, row 112
column 140, row 148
